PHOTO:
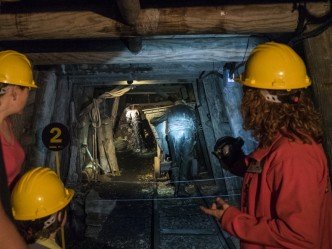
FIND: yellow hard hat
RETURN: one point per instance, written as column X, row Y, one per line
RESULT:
column 39, row 193
column 15, row 69
column 274, row 66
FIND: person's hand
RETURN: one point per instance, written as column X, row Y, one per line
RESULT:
column 217, row 209
column 228, row 150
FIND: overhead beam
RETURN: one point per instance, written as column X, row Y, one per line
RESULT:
column 129, row 10
column 157, row 71
column 237, row 19
column 156, row 51
column 135, row 83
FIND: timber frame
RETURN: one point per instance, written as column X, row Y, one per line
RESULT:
column 159, row 46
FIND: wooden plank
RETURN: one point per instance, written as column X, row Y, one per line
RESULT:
column 109, row 138
column 318, row 54
column 74, row 167
column 61, row 115
column 209, row 135
column 153, row 51
column 216, row 107
column 137, row 71
column 96, row 21
column 221, row 127
column 45, row 99
column 101, row 83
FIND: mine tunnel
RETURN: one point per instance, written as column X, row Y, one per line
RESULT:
column 131, row 99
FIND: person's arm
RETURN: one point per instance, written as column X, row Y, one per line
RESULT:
column 9, row 236
column 298, row 190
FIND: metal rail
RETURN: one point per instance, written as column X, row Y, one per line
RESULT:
column 222, row 237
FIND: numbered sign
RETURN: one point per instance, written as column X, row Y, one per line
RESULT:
column 55, row 136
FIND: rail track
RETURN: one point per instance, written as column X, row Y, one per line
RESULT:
column 179, row 223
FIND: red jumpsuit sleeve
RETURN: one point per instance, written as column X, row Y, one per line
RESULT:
column 297, row 184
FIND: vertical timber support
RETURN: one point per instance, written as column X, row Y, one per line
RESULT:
column 109, row 143
column 130, row 10
column 209, row 135
column 221, row 127
column 83, row 124
column 318, row 52
column 101, row 150
column 61, row 115
column 44, row 106
column 72, row 177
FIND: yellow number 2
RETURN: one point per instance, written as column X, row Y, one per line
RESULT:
column 55, row 139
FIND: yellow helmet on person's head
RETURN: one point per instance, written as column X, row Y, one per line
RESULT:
column 275, row 66
column 39, row 193
column 16, row 69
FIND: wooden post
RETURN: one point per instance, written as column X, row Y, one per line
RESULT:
column 83, row 124
column 61, row 115
column 129, row 10
column 102, row 155
column 209, row 135
column 58, row 170
column 44, row 106
column 72, row 177
column 109, row 143
column 220, row 126
column 318, row 54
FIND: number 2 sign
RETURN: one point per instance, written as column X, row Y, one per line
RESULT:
column 55, row 136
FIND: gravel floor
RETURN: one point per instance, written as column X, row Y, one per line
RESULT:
column 129, row 225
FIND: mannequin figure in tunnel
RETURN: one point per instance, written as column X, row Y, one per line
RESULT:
column 134, row 119
column 286, row 194
column 181, row 138
column 16, row 79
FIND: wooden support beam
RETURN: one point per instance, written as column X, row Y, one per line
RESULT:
column 134, row 44
column 205, row 117
column 129, row 10
column 155, row 51
column 318, row 52
column 136, row 83
column 159, row 71
column 96, row 23
column 109, row 135
column 45, row 99
column 221, row 127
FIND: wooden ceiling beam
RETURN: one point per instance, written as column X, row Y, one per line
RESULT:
column 135, row 83
column 156, row 51
column 237, row 19
column 160, row 71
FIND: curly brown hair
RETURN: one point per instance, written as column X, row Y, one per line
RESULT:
column 265, row 119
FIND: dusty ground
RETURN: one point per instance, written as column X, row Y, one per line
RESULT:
column 129, row 224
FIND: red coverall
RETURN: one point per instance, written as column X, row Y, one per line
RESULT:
column 286, row 198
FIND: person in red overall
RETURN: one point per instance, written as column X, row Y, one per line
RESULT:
column 16, row 79
column 286, row 199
